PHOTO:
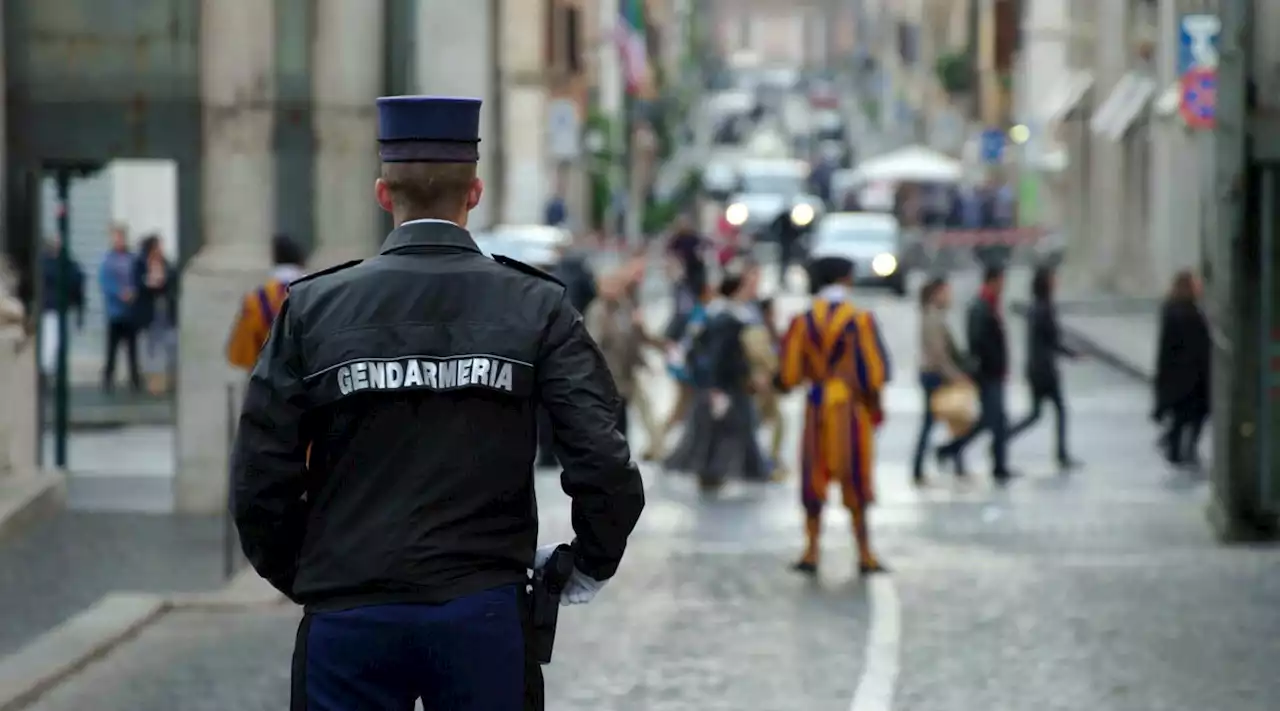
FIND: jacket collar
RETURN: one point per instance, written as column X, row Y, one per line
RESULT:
column 415, row 235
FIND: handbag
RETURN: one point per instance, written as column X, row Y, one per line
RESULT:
column 957, row 406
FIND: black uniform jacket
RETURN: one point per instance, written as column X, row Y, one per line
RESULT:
column 413, row 377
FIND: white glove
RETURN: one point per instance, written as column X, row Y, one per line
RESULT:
column 580, row 589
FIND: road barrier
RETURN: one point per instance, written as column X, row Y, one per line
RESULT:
column 944, row 250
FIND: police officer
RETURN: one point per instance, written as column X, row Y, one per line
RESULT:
column 383, row 464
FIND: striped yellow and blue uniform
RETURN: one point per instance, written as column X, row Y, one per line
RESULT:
column 837, row 349
column 253, row 325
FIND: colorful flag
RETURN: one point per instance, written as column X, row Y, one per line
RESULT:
column 632, row 44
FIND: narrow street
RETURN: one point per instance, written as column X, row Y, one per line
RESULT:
column 1101, row 589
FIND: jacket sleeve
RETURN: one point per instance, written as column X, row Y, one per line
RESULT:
column 604, row 484
column 791, row 370
column 1055, row 331
column 873, row 367
column 269, row 459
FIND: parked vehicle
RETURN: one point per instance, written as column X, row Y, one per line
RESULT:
column 873, row 241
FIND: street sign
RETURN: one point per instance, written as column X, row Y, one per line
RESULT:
column 564, row 130
column 1199, row 89
column 1198, row 69
column 1198, row 42
column 992, row 146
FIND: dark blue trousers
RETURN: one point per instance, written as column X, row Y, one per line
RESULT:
column 469, row 654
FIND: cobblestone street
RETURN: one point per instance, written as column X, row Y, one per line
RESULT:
column 1101, row 589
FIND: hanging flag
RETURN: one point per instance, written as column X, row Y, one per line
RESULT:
column 632, row 45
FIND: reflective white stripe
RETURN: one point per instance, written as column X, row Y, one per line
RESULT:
column 490, row 356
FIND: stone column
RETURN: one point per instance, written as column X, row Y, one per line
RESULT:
column 19, row 416
column 237, row 59
column 455, row 56
column 527, row 182
column 347, row 78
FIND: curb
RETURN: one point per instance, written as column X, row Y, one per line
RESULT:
column 60, row 653
column 28, row 496
column 1095, row 350
column 73, row 645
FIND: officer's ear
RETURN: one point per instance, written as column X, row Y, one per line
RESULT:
column 382, row 193
column 474, row 194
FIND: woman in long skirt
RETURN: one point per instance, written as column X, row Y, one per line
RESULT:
column 157, row 314
column 719, row 442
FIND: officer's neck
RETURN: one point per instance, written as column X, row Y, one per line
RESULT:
column 459, row 220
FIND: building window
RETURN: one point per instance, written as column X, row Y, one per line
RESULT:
column 573, row 39
column 550, row 48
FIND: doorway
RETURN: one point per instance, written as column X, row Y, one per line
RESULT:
column 121, row 236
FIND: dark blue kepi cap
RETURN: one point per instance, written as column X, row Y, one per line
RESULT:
column 428, row 129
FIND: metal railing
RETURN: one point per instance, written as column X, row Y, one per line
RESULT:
column 232, row 558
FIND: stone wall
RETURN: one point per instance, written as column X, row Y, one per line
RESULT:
column 18, row 390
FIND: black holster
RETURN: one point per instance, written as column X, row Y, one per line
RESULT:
column 546, row 586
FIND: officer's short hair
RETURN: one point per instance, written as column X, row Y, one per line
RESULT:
column 429, row 189
column 992, row 273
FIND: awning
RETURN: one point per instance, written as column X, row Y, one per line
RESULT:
column 910, row 164
column 1130, row 97
column 1067, row 97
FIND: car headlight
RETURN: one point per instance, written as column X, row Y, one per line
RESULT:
column 802, row 215
column 737, row 214
column 884, row 264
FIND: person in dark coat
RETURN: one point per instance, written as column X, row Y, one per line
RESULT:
column 1182, row 370
column 989, row 357
column 1044, row 346
column 720, row 440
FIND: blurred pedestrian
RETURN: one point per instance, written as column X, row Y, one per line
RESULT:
column 116, row 278
column 941, row 363
column 614, row 321
column 788, row 234
column 681, row 336
column 719, row 443
column 837, row 349
column 1183, row 359
column 989, row 358
column 686, row 245
column 156, row 313
column 50, row 263
column 761, row 340
column 259, row 307
column 1044, row 346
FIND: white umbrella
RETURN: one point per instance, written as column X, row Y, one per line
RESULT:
column 911, row 164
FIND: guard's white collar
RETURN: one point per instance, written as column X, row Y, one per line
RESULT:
column 835, row 292
column 287, row 273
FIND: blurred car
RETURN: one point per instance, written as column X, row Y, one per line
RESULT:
column 766, row 190
column 873, row 241
column 719, row 178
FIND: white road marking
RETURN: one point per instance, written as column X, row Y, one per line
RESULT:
column 884, row 648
